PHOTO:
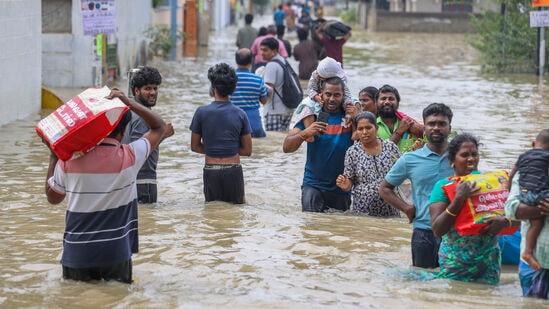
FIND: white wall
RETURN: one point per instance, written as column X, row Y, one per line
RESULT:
column 20, row 59
column 68, row 57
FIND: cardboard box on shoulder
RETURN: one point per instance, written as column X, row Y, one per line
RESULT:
column 80, row 124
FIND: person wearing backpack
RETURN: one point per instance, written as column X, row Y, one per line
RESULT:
column 278, row 74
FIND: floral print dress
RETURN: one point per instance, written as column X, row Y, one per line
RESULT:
column 366, row 172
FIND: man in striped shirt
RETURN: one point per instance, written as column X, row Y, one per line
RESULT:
column 250, row 90
column 101, row 219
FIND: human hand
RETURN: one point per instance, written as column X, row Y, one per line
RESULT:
column 494, row 226
column 417, row 129
column 544, row 206
column 169, row 130
column 405, row 124
column 316, row 128
column 465, row 189
column 343, row 182
column 410, row 212
column 117, row 93
column 418, row 144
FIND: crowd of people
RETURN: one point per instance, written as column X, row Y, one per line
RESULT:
column 358, row 152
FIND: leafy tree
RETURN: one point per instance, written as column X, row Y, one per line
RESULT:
column 505, row 39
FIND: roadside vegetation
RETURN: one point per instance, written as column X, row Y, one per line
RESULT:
column 505, row 40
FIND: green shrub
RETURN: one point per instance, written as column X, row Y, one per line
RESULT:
column 350, row 16
column 506, row 41
column 161, row 42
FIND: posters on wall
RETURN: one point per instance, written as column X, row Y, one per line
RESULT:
column 98, row 16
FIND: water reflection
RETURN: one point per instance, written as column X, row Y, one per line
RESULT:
column 267, row 253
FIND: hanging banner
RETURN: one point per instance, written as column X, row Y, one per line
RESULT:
column 538, row 3
column 98, row 16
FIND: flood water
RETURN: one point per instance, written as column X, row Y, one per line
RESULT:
column 267, row 253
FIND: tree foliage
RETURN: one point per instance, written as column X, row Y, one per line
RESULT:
column 505, row 39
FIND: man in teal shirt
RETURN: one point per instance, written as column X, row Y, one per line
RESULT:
column 394, row 125
column 423, row 167
column 515, row 210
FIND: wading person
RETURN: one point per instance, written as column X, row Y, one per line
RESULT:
column 222, row 133
column 101, row 230
column 366, row 164
column 250, row 91
column 401, row 129
column 276, row 114
column 144, row 85
column 327, row 141
column 469, row 258
column 423, row 167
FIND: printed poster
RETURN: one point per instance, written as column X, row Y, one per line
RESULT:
column 98, row 16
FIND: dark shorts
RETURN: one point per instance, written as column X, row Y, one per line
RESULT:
column 146, row 193
column 224, row 183
column 315, row 200
column 425, row 247
column 532, row 199
column 120, row 272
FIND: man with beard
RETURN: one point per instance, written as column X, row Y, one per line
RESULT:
column 144, row 86
column 423, row 167
column 401, row 129
column 327, row 143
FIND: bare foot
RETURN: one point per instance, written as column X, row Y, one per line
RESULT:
column 531, row 260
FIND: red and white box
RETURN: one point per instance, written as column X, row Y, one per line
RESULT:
column 77, row 126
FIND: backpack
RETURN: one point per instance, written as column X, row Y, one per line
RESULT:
column 292, row 94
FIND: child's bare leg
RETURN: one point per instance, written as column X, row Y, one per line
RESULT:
column 531, row 237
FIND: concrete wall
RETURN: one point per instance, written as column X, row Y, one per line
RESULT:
column 20, row 59
column 422, row 22
column 68, row 56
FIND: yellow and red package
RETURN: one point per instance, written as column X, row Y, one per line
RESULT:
column 486, row 203
column 80, row 124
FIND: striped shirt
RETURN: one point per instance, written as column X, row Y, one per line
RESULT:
column 101, row 217
column 249, row 89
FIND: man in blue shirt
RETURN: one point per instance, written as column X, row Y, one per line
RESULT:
column 279, row 17
column 327, row 143
column 423, row 167
column 250, row 91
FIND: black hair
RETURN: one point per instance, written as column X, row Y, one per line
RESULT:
column 457, row 141
column 223, row 78
column 388, row 88
column 243, row 56
column 271, row 29
column 370, row 91
column 302, row 34
column 365, row 115
column 248, row 18
column 543, row 137
column 262, row 31
column 144, row 76
column 434, row 109
column 121, row 126
column 271, row 43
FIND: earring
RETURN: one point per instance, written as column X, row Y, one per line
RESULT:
column 452, row 165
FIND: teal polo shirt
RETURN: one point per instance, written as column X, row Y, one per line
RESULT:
column 405, row 143
column 424, row 168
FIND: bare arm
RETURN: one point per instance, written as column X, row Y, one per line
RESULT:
column 245, row 145
column 157, row 126
column 196, row 143
column 53, row 196
column 387, row 193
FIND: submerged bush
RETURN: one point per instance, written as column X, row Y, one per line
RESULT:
column 506, row 41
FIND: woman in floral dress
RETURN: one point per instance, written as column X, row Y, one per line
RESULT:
column 366, row 164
